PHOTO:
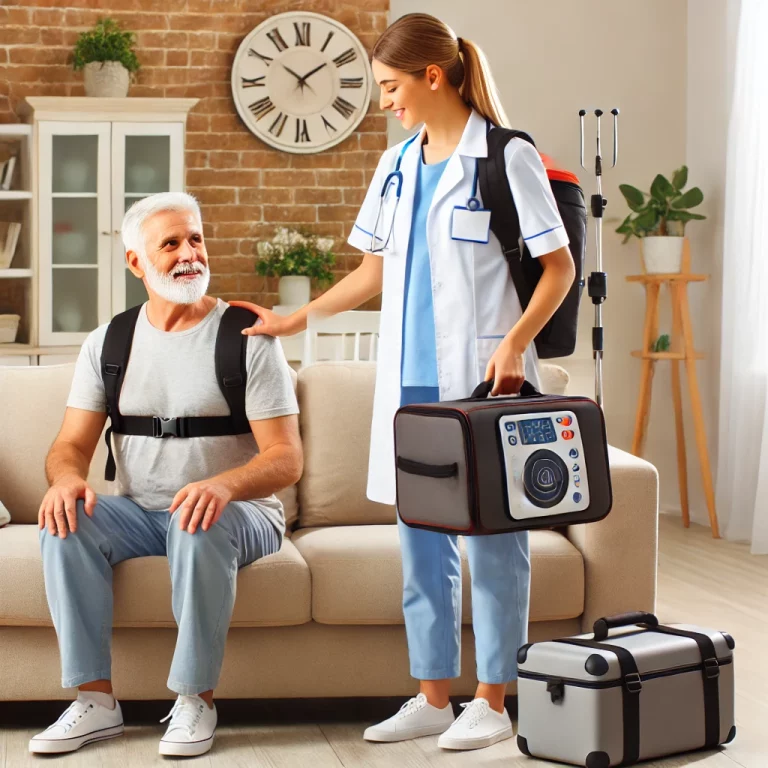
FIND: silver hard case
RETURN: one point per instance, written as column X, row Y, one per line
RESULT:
column 572, row 715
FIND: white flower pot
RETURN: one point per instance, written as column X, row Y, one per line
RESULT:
column 106, row 79
column 294, row 290
column 662, row 255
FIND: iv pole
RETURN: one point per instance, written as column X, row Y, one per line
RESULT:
column 597, row 285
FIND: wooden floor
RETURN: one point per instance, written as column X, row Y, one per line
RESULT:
column 701, row 581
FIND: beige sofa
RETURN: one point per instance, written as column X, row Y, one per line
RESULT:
column 321, row 618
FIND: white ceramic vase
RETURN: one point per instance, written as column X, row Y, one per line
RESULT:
column 663, row 255
column 294, row 290
column 106, row 79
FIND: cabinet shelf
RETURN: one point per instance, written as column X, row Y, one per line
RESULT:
column 11, row 273
column 73, row 195
column 14, row 194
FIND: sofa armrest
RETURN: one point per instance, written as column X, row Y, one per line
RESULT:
column 620, row 551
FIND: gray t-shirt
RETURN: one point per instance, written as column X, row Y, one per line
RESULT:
column 173, row 375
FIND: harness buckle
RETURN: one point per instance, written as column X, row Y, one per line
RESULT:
column 162, row 427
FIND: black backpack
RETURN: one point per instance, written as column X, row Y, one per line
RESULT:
column 230, row 373
column 558, row 337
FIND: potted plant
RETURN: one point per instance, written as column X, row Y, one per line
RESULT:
column 107, row 56
column 659, row 217
column 297, row 258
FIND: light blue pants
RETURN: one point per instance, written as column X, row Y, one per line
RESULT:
column 500, row 570
column 203, row 565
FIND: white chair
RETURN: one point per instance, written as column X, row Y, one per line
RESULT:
column 330, row 338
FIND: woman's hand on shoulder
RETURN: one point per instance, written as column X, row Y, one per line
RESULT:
column 267, row 323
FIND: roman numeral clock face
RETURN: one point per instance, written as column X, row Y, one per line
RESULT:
column 301, row 82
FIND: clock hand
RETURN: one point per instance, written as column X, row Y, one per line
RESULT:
column 300, row 81
column 312, row 72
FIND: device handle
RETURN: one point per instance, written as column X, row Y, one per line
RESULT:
column 427, row 470
column 602, row 626
column 484, row 388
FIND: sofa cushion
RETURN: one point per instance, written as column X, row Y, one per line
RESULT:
column 274, row 591
column 336, row 402
column 33, row 403
column 357, row 575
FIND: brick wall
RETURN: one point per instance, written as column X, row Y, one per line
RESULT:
column 245, row 187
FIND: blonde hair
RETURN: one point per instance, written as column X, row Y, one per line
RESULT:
column 417, row 40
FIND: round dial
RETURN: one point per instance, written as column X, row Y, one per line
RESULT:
column 301, row 81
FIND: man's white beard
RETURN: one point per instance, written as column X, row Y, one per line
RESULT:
column 177, row 291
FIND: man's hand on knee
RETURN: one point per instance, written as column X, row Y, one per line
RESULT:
column 200, row 503
column 58, row 512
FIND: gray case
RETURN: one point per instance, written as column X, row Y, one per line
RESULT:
column 638, row 692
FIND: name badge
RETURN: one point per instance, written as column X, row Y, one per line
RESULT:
column 471, row 223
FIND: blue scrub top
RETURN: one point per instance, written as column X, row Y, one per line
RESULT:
column 419, row 358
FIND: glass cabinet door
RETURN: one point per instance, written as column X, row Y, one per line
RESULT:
column 74, row 236
column 147, row 158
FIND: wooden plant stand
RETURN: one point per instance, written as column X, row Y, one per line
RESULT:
column 681, row 350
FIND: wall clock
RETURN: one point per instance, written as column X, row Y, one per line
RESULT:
column 301, row 81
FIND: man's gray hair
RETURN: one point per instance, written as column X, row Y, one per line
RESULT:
column 133, row 222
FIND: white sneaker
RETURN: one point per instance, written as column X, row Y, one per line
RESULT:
column 476, row 727
column 417, row 717
column 84, row 721
column 191, row 730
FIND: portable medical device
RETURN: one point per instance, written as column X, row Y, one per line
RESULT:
column 481, row 466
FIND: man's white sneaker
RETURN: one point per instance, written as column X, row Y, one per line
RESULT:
column 417, row 717
column 476, row 727
column 191, row 730
column 84, row 721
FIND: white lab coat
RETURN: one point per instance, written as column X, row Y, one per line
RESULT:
column 474, row 298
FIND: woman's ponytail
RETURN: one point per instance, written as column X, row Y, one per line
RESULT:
column 479, row 88
column 417, row 40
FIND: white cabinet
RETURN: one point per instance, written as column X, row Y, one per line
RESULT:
column 95, row 158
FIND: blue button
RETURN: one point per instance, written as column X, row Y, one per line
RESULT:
column 575, row 468
column 512, row 440
column 510, row 425
column 573, row 453
column 576, row 479
column 577, row 497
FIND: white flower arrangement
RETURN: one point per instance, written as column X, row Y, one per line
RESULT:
column 294, row 252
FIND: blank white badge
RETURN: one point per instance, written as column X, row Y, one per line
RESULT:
column 471, row 225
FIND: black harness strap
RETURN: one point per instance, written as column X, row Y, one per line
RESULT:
column 231, row 375
column 114, row 361
column 230, row 363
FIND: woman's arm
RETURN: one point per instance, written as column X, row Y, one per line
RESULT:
column 506, row 366
column 355, row 289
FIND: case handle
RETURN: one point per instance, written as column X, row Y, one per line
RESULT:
column 484, row 388
column 602, row 626
column 427, row 470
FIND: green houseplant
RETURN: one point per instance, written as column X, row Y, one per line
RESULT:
column 659, row 217
column 296, row 257
column 106, row 54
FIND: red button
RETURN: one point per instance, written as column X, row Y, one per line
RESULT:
column 567, row 434
column 566, row 421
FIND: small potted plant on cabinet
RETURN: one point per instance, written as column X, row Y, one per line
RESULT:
column 106, row 55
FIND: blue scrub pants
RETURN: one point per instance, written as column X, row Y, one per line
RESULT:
column 203, row 565
column 500, row 570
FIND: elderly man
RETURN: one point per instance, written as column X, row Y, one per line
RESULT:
column 203, row 496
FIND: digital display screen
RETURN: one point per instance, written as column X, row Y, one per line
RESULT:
column 537, row 431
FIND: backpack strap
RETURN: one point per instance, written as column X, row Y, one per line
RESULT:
column 231, row 372
column 496, row 194
column 114, row 361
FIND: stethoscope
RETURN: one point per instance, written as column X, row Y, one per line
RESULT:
column 395, row 179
